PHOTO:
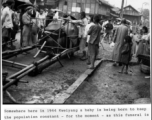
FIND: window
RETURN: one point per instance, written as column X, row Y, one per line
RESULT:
column 79, row 1
column 74, row 5
column 92, row 8
column 88, row 1
column 87, row 9
column 78, row 7
column 69, row 6
column 78, row 4
column 127, row 8
column 65, row 8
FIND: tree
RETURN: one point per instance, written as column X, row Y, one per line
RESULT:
column 145, row 13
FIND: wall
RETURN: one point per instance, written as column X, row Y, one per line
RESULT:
column 89, row 6
column 133, row 18
column 130, row 11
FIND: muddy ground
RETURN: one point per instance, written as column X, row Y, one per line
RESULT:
column 106, row 86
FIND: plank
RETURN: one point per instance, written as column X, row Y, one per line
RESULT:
column 60, row 99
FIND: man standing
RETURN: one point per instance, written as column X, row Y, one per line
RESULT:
column 27, row 27
column 7, row 22
column 83, row 22
column 120, row 33
column 41, row 18
column 46, row 12
column 108, row 31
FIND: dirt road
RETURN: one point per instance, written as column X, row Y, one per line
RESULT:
column 106, row 86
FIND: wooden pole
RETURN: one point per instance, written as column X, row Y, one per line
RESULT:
column 122, row 5
column 14, row 64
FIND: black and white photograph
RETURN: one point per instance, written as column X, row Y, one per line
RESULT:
column 76, row 52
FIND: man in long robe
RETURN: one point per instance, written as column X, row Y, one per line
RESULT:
column 120, row 33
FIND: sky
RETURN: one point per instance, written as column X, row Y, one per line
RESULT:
column 135, row 3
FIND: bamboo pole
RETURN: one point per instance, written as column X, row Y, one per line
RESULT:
column 17, row 78
column 40, row 49
column 17, row 50
column 27, row 68
column 11, row 98
column 32, row 67
column 9, row 42
column 14, row 64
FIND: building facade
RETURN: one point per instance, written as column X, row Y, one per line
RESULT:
column 46, row 3
column 132, row 14
column 90, row 7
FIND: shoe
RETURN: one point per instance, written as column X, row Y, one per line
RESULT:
column 120, row 72
column 83, row 58
column 88, row 63
column 115, row 64
column 98, row 58
column 126, row 72
column 120, row 64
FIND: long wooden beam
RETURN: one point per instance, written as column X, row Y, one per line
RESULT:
column 14, row 64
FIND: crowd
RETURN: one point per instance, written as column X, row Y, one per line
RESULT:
column 127, row 41
column 29, row 22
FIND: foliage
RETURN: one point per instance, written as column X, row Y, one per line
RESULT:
column 145, row 13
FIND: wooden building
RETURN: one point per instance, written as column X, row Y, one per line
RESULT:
column 115, row 13
column 46, row 3
column 91, row 7
column 132, row 14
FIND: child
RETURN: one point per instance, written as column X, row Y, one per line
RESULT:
column 126, row 54
column 133, row 42
column 93, row 43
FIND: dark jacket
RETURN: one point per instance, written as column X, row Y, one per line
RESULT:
column 126, row 53
column 94, row 33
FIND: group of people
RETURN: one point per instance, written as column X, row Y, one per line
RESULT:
column 10, row 23
column 30, row 22
column 126, row 42
column 34, row 21
column 128, row 45
column 89, row 34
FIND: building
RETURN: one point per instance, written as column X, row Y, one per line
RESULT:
column 91, row 7
column 115, row 13
column 132, row 14
column 46, row 3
